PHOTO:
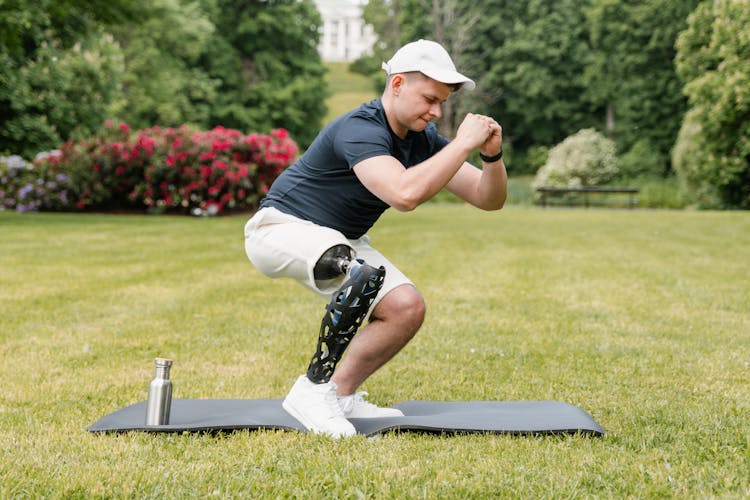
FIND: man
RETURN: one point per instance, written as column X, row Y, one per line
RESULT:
column 313, row 224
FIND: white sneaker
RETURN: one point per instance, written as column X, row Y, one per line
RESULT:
column 355, row 406
column 317, row 408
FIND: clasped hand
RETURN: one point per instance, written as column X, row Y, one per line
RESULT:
column 481, row 132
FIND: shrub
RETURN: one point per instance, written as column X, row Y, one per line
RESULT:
column 103, row 171
column 14, row 173
column 25, row 188
column 660, row 192
column 171, row 169
column 712, row 153
column 208, row 172
column 55, row 93
column 690, row 165
column 586, row 158
column 642, row 160
column 536, row 157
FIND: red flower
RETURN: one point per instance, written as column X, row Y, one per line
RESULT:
column 221, row 145
column 280, row 133
column 252, row 141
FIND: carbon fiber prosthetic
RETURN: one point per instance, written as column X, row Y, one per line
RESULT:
column 343, row 317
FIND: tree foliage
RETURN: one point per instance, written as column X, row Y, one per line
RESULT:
column 631, row 75
column 56, row 95
column 712, row 155
column 532, row 75
column 68, row 65
column 162, row 82
column 544, row 69
column 266, row 58
column 27, row 26
column 548, row 69
column 57, row 73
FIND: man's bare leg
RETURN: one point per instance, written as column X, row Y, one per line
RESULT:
column 393, row 323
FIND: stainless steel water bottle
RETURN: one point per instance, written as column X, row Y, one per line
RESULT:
column 160, row 394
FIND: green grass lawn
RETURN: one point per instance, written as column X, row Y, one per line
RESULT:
column 639, row 317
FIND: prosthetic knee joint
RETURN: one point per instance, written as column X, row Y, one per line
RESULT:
column 347, row 309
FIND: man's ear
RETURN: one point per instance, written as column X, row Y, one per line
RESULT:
column 396, row 83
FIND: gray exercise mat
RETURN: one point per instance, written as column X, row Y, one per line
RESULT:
column 498, row 417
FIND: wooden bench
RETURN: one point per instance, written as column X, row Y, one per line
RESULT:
column 558, row 194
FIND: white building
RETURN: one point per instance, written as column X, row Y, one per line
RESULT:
column 345, row 35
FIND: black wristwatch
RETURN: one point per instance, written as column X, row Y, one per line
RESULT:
column 492, row 159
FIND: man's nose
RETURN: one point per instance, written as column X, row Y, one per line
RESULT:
column 436, row 110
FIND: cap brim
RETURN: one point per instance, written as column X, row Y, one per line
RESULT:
column 451, row 78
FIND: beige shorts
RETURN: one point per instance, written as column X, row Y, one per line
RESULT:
column 283, row 246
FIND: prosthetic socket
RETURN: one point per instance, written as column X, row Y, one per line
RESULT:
column 347, row 309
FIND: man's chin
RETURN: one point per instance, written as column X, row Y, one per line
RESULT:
column 419, row 125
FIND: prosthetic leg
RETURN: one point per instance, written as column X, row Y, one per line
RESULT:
column 347, row 309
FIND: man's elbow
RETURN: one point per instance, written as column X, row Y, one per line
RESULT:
column 407, row 200
column 495, row 204
column 404, row 204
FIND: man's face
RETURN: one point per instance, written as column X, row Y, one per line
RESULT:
column 419, row 102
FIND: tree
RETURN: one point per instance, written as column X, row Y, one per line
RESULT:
column 527, row 58
column 712, row 154
column 56, row 95
column 57, row 72
column 27, row 26
column 632, row 76
column 162, row 82
column 265, row 56
column 533, row 55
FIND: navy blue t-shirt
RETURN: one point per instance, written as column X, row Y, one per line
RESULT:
column 321, row 186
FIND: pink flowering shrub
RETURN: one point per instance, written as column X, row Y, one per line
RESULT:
column 177, row 170
column 104, row 170
column 216, row 170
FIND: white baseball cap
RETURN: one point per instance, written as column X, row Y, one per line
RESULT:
column 429, row 58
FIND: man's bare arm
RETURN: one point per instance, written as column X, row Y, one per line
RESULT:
column 406, row 188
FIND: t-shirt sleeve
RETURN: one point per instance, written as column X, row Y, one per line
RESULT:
column 359, row 139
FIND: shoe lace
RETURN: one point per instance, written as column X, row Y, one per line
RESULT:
column 355, row 399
